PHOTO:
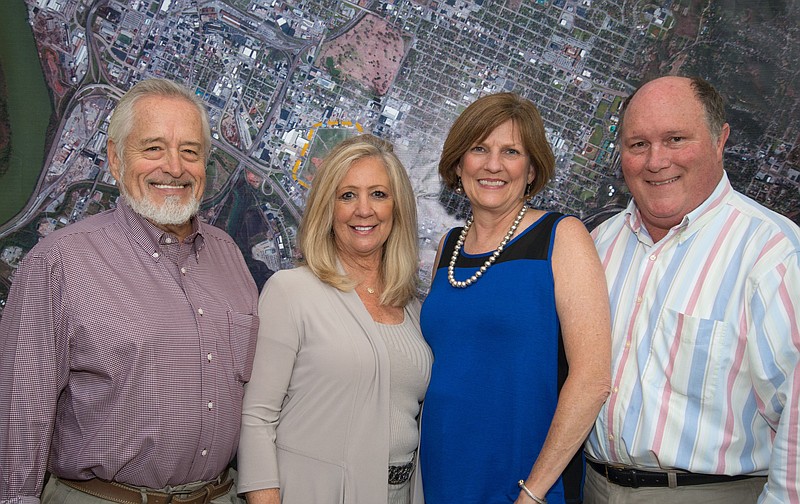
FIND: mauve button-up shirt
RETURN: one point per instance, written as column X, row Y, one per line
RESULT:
column 123, row 356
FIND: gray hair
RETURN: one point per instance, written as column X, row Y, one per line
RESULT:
column 123, row 118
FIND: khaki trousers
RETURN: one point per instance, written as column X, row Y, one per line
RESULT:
column 598, row 490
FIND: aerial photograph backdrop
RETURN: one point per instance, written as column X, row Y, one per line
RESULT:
column 285, row 80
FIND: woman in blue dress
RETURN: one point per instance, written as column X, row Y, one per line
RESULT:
column 518, row 321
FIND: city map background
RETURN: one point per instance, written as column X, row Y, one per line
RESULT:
column 285, row 80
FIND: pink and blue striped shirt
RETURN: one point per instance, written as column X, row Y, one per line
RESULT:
column 705, row 344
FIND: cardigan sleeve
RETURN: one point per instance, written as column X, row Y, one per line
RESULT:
column 276, row 351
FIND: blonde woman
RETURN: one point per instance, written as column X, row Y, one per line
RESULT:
column 341, row 369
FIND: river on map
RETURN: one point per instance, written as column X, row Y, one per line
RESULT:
column 29, row 108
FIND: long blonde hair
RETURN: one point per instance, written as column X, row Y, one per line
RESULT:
column 400, row 253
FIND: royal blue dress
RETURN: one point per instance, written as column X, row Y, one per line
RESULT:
column 498, row 367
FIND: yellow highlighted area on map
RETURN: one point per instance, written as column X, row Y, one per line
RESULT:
column 333, row 123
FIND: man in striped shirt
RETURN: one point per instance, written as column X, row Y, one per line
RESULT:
column 705, row 300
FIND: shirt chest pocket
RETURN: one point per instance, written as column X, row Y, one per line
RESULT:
column 242, row 334
column 691, row 353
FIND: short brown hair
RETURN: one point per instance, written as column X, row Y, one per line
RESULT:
column 481, row 118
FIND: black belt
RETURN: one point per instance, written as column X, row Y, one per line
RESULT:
column 635, row 478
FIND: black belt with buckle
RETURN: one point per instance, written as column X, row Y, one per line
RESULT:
column 635, row 478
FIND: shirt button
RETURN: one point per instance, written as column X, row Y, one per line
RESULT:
column 209, row 357
column 155, row 255
column 616, row 389
column 210, row 404
column 653, row 257
column 610, row 437
column 638, row 299
column 183, row 270
column 204, row 452
column 168, row 240
column 200, row 311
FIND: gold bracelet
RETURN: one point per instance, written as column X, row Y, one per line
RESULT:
column 537, row 500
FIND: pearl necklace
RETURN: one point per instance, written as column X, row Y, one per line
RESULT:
column 474, row 278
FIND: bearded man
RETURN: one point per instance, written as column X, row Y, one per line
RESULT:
column 128, row 337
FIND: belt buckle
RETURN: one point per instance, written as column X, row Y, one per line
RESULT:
column 199, row 496
column 204, row 495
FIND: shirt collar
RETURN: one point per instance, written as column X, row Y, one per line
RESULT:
column 150, row 237
column 692, row 221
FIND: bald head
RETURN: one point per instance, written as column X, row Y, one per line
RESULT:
column 708, row 97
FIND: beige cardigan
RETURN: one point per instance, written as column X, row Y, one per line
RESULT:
column 316, row 410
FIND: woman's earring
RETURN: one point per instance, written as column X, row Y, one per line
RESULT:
column 459, row 187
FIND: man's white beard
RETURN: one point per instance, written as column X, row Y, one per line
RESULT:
column 171, row 212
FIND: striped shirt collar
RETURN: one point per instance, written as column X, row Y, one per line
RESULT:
column 151, row 238
column 691, row 222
